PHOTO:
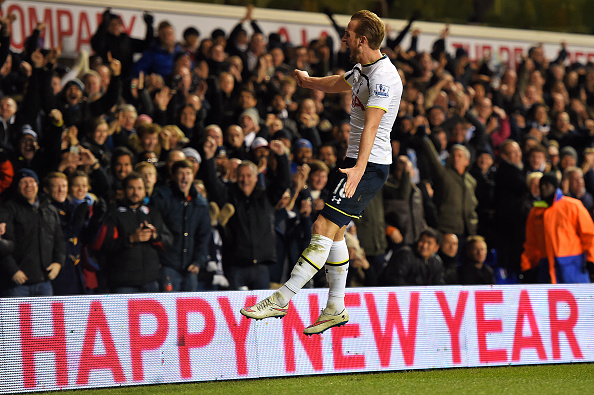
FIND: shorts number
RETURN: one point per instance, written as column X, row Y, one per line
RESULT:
column 339, row 190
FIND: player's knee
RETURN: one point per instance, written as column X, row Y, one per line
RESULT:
column 323, row 226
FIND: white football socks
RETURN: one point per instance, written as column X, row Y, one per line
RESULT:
column 337, row 267
column 311, row 260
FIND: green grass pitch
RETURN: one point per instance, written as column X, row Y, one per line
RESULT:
column 509, row 380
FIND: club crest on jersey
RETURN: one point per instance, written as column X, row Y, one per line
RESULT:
column 382, row 90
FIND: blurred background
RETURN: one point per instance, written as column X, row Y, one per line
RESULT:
column 570, row 16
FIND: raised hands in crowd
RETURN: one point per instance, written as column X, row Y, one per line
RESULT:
column 453, row 158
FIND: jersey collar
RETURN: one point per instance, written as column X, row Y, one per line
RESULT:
column 384, row 56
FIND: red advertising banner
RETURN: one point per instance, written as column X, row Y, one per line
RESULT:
column 108, row 340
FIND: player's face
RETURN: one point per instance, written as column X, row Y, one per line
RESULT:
column 352, row 41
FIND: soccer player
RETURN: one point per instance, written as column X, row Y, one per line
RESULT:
column 376, row 91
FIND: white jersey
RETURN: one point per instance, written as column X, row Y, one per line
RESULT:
column 374, row 85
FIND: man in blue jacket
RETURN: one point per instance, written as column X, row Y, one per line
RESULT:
column 158, row 58
column 185, row 213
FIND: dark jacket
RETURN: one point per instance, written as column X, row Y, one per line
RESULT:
column 29, row 108
column 403, row 204
column 122, row 47
column 371, row 227
column 79, row 227
column 85, row 110
column 471, row 275
column 250, row 232
column 189, row 222
column 406, row 267
column 510, row 194
column 37, row 236
column 132, row 265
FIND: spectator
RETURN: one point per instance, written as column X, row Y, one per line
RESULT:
column 235, row 142
column 250, row 230
column 249, row 122
column 12, row 119
column 474, row 271
column 448, row 252
column 76, row 110
column 559, row 238
column 510, row 193
column 358, row 273
column 131, row 238
column 302, row 154
column 149, row 175
column 122, row 163
column 185, row 214
column 327, row 154
column 165, row 174
column 403, row 203
column 158, row 58
column 575, row 187
column 484, row 173
column 111, row 40
column 123, row 126
column 316, row 184
column 568, row 157
column 194, row 158
column 146, row 139
column 81, row 217
column 191, row 38
column 292, row 224
column 454, row 190
column 37, row 249
column 371, row 234
column 537, row 160
column 418, row 265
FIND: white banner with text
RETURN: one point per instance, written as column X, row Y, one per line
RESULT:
column 109, row 340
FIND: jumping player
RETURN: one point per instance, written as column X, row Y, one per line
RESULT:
column 376, row 91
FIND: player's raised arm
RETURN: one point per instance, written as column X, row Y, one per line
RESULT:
column 330, row 84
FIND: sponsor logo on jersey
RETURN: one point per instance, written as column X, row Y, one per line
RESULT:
column 357, row 103
column 382, row 90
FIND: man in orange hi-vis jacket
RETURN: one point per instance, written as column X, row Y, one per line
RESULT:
column 559, row 237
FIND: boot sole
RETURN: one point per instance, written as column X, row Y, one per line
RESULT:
column 332, row 326
column 263, row 318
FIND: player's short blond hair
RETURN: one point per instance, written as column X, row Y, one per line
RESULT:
column 371, row 26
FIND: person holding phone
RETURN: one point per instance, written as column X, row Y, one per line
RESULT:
column 131, row 238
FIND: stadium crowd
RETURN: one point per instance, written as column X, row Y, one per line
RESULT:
column 155, row 165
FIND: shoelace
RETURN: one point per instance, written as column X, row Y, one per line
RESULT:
column 264, row 304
